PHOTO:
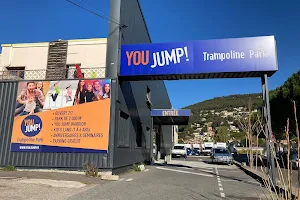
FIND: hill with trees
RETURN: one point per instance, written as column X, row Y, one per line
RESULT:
column 227, row 103
column 282, row 107
column 281, row 103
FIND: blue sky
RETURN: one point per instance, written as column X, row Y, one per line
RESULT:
column 35, row 21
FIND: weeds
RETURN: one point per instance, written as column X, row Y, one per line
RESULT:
column 283, row 188
column 134, row 168
column 90, row 169
column 9, row 168
column 147, row 162
column 245, row 151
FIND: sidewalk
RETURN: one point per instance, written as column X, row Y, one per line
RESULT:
column 50, row 175
column 43, row 185
column 258, row 174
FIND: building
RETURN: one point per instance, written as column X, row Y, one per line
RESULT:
column 88, row 53
column 0, row 61
column 128, row 122
column 175, row 134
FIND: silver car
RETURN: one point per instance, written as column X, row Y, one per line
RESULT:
column 221, row 155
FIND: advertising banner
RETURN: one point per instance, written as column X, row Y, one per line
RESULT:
column 62, row 116
column 252, row 54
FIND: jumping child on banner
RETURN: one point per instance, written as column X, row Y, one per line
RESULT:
column 68, row 94
column 30, row 105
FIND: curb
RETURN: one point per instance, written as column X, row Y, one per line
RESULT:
column 109, row 177
column 259, row 177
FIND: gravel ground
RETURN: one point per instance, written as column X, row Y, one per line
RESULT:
column 20, row 189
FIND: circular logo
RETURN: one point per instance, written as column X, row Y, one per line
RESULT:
column 31, row 125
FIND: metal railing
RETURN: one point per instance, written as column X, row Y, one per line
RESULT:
column 46, row 74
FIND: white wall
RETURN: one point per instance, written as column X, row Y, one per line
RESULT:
column 90, row 53
column 175, row 134
column 31, row 56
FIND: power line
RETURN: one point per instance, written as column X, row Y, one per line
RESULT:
column 105, row 13
column 97, row 14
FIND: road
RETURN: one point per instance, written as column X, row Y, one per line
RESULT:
column 193, row 178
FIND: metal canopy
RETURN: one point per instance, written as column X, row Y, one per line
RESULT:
column 170, row 116
column 198, row 76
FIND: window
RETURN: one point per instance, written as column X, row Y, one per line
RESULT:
column 221, row 151
column 178, row 147
column 16, row 72
column 148, row 98
column 71, row 72
column 139, row 134
column 123, row 132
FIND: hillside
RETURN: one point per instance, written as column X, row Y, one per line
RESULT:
column 280, row 101
column 216, row 112
column 227, row 103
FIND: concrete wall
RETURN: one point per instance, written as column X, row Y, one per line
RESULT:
column 90, row 53
column 132, row 97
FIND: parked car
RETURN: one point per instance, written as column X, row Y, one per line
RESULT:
column 232, row 149
column 196, row 151
column 189, row 151
column 179, row 151
column 221, row 155
column 295, row 160
column 283, row 161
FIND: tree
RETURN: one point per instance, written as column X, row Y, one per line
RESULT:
column 204, row 128
column 222, row 134
column 281, row 103
column 230, row 118
column 239, row 136
column 249, row 125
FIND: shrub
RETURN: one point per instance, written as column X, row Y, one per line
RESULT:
column 90, row 169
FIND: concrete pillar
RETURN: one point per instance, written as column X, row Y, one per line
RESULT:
column 168, row 158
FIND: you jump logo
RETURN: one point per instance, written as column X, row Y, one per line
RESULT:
column 160, row 58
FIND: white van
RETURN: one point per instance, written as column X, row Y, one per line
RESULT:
column 179, row 150
column 208, row 146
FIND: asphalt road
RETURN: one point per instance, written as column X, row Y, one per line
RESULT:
column 193, row 178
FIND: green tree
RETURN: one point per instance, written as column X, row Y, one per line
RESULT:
column 239, row 136
column 222, row 134
column 230, row 118
column 204, row 129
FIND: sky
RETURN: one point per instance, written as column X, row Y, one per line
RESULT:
column 169, row 21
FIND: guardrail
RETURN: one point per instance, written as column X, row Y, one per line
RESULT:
column 46, row 74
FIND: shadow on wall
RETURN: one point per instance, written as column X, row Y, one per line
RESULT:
column 133, row 111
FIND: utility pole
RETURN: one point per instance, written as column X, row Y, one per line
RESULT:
column 298, row 156
column 268, row 129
